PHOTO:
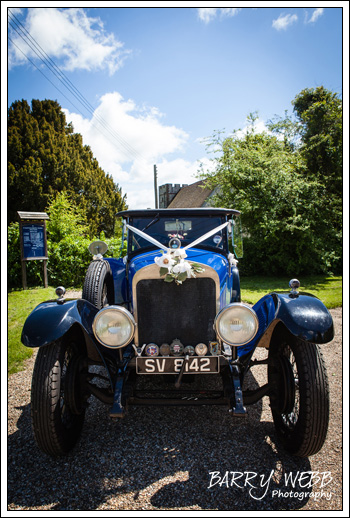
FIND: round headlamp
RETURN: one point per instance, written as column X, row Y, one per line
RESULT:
column 236, row 324
column 114, row 326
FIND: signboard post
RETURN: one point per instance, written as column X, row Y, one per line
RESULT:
column 33, row 241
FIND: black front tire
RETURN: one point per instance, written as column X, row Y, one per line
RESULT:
column 98, row 284
column 300, row 395
column 58, row 400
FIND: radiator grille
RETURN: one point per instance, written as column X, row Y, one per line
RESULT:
column 167, row 310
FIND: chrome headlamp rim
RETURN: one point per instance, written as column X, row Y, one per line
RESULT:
column 125, row 313
column 227, row 308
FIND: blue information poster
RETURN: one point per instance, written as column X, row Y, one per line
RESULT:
column 33, row 241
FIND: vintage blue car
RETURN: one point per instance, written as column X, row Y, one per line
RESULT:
column 171, row 308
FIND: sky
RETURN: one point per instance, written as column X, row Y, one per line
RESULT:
column 146, row 86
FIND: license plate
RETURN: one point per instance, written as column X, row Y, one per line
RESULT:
column 169, row 365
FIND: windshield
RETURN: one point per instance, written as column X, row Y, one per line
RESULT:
column 186, row 230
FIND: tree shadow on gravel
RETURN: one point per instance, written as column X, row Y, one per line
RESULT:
column 157, row 458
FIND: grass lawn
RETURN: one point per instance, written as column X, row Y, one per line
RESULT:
column 327, row 289
column 22, row 302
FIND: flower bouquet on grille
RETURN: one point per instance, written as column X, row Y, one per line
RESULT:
column 174, row 267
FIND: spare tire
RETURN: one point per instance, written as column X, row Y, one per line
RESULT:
column 98, row 285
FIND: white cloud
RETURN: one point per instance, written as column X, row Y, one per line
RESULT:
column 285, row 21
column 207, row 14
column 69, row 35
column 316, row 14
column 259, row 126
column 129, row 142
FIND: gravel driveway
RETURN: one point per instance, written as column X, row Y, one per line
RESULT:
column 164, row 458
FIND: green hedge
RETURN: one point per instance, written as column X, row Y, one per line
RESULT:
column 67, row 264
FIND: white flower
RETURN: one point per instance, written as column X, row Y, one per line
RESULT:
column 164, row 261
column 179, row 252
column 182, row 267
column 232, row 260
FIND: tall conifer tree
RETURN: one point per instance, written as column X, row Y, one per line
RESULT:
column 45, row 156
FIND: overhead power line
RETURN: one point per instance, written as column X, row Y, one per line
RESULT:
column 41, row 72
column 26, row 37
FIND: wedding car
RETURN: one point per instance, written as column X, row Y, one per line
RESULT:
column 169, row 309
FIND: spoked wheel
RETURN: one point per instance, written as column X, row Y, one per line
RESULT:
column 98, row 285
column 299, row 397
column 58, row 397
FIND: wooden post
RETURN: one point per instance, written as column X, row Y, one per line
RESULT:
column 46, row 284
column 24, row 275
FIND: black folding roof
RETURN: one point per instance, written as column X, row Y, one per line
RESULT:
column 202, row 211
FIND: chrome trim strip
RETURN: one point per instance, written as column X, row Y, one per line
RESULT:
column 152, row 272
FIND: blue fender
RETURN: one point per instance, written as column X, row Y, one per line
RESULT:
column 51, row 320
column 304, row 315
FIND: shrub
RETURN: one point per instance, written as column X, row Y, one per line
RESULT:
column 67, row 264
column 68, row 261
column 67, row 246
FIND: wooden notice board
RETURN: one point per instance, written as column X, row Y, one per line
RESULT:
column 33, row 241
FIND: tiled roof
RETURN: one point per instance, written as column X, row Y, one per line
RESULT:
column 194, row 195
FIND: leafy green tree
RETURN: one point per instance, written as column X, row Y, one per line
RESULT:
column 287, row 128
column 45, row 157
column 65, row 219
column 264, row 177
column 319, row 112
column 316, row 131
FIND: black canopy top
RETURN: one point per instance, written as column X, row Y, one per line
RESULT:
column 202, row 211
